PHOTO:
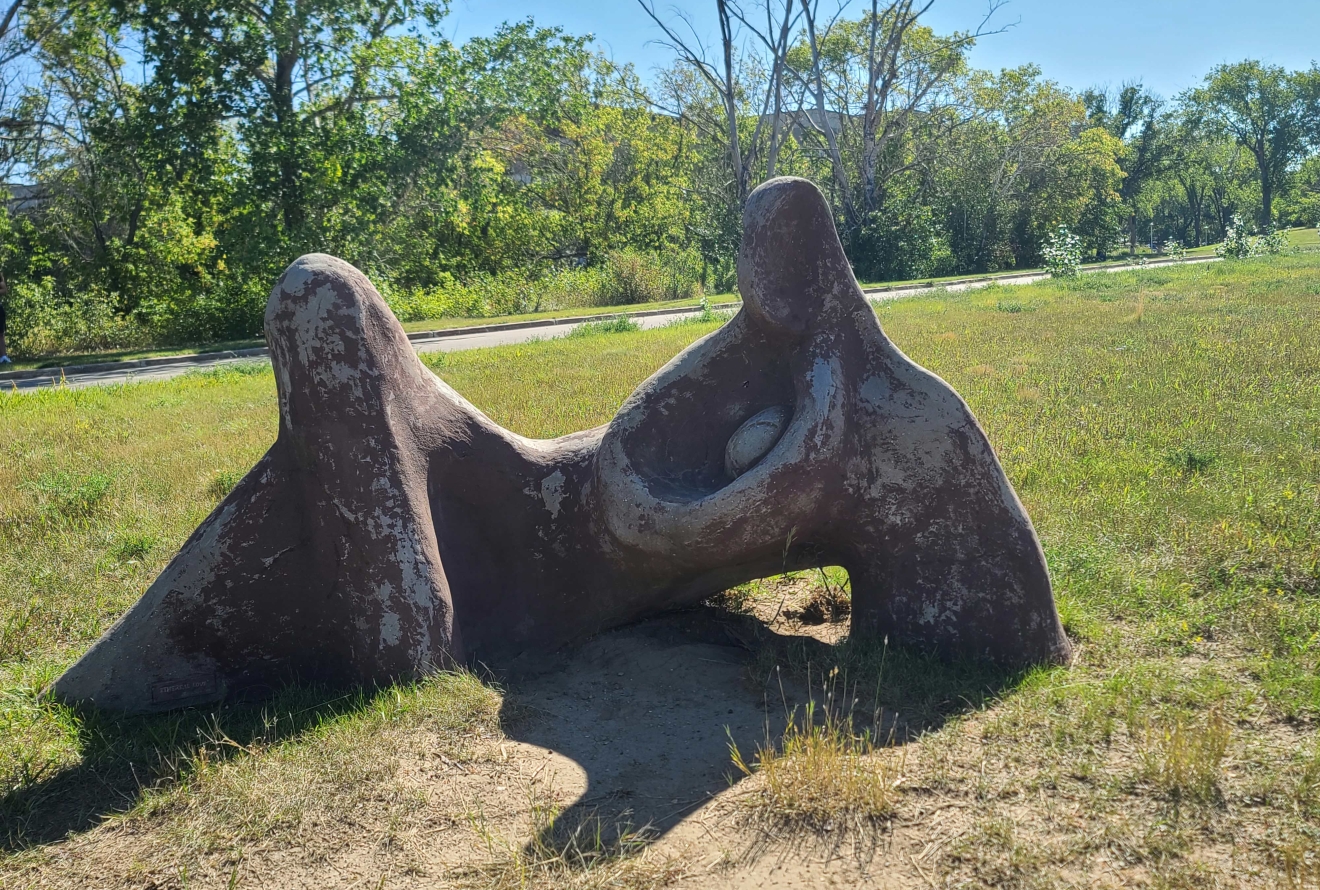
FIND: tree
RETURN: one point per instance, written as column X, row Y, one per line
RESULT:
column 871, row 83
column 1133, row 117
column 1025, row 164
column 739, row 96
column 1270, row 112
column 1203, row 176
column 287, row 70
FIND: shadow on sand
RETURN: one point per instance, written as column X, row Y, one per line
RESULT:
column 646, row 711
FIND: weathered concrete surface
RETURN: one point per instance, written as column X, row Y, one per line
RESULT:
column 394, row 528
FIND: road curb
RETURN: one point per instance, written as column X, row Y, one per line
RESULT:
column 202, row 358
column 1029, row 273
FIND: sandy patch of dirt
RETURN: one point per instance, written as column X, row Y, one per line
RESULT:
column 629, row 736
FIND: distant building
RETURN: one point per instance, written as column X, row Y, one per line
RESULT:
column 21, row 198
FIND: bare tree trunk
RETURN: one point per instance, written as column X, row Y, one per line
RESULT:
column 818, row 80
column 772, row 151
column 1266, row 200
column 731, row 102
column 723, row 78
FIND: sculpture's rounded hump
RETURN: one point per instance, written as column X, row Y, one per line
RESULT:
column 297, row 281
column 330, row 334
column 791, row 262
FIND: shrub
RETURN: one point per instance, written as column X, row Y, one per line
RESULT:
column 633, row 277
column 902, row 240
column 42, row 322
column 627, row 277
column 1237, row 243
column 1063, row 254
column 1272, row 243
column 45, row 321
column 1173, row 248
column 231, row 309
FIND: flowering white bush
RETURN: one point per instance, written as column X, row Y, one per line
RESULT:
column 1272, row 243
column 1238, row 245
column 1174, row 248
column 1063, row 254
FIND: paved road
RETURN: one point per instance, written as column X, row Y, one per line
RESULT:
column 449, row 343
column 454, row 342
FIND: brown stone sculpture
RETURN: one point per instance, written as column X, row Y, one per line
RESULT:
column 393, row 528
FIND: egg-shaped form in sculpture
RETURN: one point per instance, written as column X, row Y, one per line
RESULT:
column 754, row 439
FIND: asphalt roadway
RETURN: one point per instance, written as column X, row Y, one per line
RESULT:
column 457, row 340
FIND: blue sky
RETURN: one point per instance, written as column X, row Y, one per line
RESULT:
column 1168, row 44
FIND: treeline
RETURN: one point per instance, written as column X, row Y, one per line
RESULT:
column 165, row 161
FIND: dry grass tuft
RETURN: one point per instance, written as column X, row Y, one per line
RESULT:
column 1184, row 759
column 1298, row 861
column 823, row 774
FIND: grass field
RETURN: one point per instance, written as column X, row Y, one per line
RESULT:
column 1160, row 425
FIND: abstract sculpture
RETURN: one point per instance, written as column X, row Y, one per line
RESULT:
column 393, row 528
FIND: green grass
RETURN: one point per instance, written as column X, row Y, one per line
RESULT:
column 446, row 324
column 1160, row 425
column 1304, row 237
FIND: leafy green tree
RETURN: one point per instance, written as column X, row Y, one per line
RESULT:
column 1133, row 117
column 1026, row 164
column 299, row 77
column 1270, row 112
column 1304, row 198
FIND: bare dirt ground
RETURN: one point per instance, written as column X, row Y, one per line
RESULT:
column 611, row 768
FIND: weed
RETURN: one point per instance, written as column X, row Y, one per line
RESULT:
column 1189, row 461
column 1299, row 861
column 705, row 315
column 223, row 482
column 824, row 773
column 620, row 324
column 1306, row 792
column 70, row 495
column 1183, row 758
column 132, row 546
column 828, row 601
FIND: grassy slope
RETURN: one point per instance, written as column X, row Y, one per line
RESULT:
column 1159, row 425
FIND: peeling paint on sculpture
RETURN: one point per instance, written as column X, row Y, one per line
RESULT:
column 394, row 528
